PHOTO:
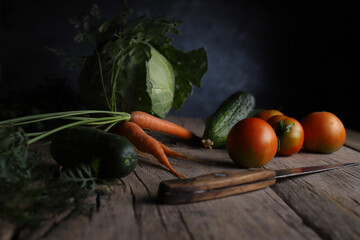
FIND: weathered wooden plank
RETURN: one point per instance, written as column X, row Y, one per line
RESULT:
column 257, row 215
column 227, row 218
column 324, row 205
column 327, row 202
column 353, row 139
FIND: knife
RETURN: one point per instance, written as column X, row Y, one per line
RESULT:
column 231, row 182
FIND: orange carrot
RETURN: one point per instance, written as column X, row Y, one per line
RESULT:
column 144, row 143
column 171, row 153
column 149, row 122
column 146, row 155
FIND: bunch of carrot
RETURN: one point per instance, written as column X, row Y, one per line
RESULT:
column 133, row 131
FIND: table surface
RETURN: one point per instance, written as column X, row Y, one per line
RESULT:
column 318, row 206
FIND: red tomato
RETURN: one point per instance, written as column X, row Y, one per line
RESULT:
column 289, row 132
column 251, row 143
column 324, row 132
column 267, row 114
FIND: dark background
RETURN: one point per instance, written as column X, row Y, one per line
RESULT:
column 297, row 56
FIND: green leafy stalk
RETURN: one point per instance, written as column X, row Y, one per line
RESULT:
column 115, row 117
column 58, row 115
column 114, row 85
column 77, row 123
column 110, row 126
column 102, row 80
column 113, row 97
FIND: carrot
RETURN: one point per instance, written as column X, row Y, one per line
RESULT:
column 145, row 143
column 171, row 153
column 149, row 122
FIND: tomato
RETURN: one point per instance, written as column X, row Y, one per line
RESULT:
column 251, row 143
column 289, row 132
column 324, row 132
column 267, row 114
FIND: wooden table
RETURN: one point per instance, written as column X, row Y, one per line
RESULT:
column 319, row 206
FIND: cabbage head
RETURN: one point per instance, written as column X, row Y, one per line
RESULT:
column 134, row 66
column 146, row 83
column 160, row 83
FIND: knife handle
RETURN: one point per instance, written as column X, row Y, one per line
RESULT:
column 214, row 185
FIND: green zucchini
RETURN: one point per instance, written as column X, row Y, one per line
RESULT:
column 217, row 126
column 112, row 155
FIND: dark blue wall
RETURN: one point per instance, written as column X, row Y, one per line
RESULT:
column 300, row 57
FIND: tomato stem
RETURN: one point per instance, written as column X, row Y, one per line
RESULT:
column 282, row 129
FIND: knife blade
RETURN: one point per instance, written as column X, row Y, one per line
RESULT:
column 226, row 183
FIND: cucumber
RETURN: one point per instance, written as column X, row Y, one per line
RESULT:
column 217, row 126
column 112, row 155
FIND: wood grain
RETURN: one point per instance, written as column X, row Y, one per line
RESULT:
column 319, row 206
column 352, row 139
